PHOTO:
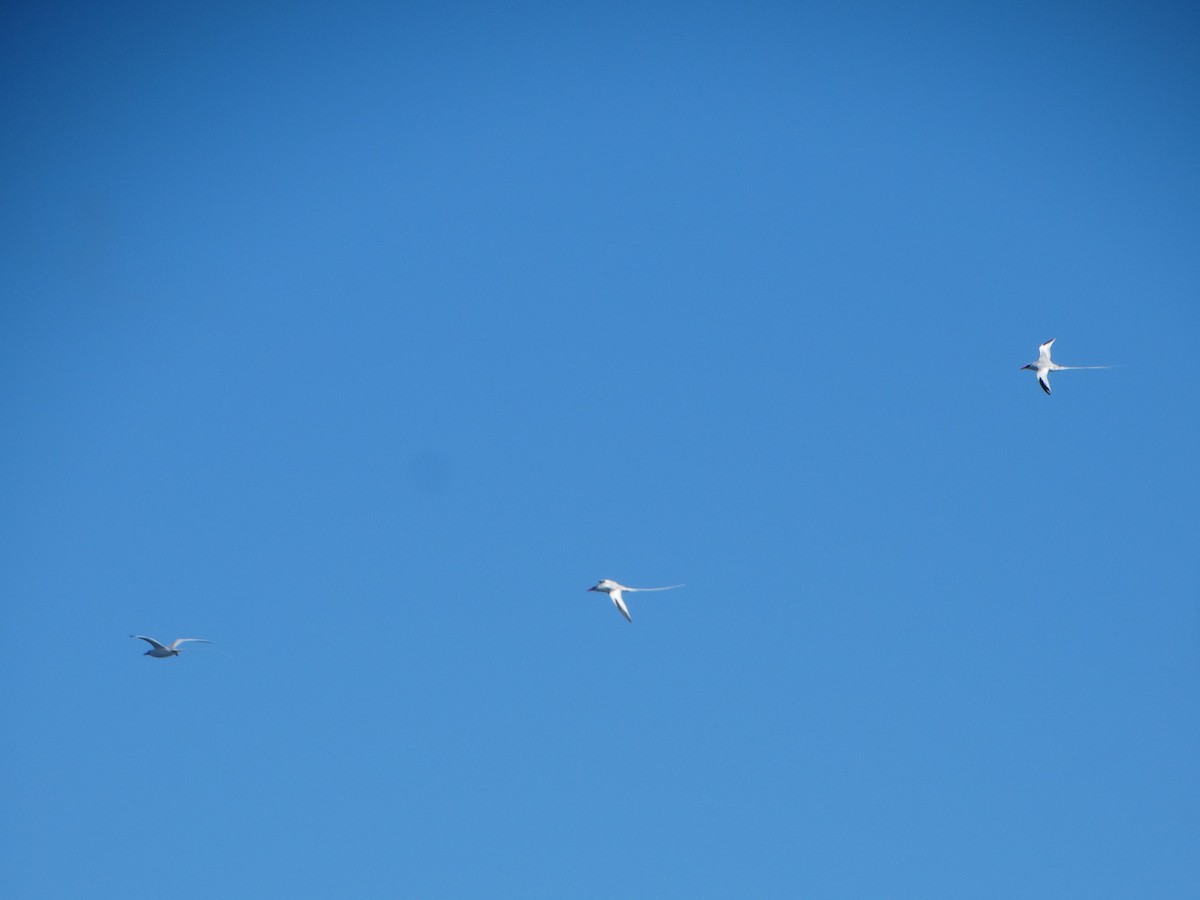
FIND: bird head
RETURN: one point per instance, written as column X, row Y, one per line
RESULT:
column 604, row 586
column 1029, row 366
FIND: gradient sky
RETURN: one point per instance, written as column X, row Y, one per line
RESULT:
column 361, row 339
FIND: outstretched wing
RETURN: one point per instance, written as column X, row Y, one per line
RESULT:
column 149, row 640
column 1044, row 379
column 175, row 643
column 619, row 603
column 1044, row 351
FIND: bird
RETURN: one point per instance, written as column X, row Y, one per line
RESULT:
column 162, row 651
column 1044, row 366
column 610, row 587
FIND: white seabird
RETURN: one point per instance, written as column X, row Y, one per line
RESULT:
column 1044, row 366
column 610, row 587
column 162, row 651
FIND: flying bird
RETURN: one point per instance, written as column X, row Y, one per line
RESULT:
column 1044, row 366
column 162, row 651
column 610, row 587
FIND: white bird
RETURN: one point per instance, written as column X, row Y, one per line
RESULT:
column 162, row 651
column 610, row 587
column 1044, row 366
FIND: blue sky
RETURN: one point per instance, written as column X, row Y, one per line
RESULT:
column 361, row 340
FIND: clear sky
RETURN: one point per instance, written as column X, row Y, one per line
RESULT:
column 360, row 339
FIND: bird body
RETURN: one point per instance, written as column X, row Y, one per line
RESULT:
column 1044, row 366
column 614, row 591
column 163, row 651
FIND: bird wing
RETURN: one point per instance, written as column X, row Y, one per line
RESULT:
column 669, row 587
column 175, row 643
column 619, row 603
column 1044, row 379
column 149, row 640
column 1044, row 351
